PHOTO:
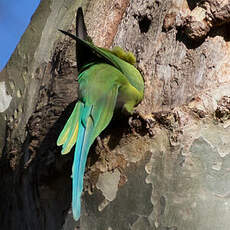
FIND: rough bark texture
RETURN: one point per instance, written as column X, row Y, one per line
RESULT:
column 165, row 169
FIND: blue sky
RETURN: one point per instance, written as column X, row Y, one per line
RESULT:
column 15, row 16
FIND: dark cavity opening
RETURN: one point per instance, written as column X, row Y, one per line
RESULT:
column 144, row 23
column 193, row 3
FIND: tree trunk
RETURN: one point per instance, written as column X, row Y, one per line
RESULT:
column 167, row 168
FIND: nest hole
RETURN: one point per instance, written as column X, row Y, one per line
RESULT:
column 144, row 23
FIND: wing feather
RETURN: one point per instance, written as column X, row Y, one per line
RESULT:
column 68, row 136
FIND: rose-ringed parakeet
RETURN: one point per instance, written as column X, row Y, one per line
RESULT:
column 104, row 75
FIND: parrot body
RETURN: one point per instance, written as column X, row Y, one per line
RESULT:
column 103, row 76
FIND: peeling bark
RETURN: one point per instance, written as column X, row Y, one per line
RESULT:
column 198, row 23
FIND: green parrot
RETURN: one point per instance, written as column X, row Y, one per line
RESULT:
column 104, row 76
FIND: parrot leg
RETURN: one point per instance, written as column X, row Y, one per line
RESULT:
column 139, row 119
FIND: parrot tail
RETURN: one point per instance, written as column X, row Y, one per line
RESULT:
column 80, row 157
column 77, row 130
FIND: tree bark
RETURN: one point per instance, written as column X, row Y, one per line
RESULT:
column 166, row 168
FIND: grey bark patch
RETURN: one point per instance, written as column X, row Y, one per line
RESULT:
column 5, row 99
column 108, row 184
column 206, row 155
column 142, row 223
column 132, row 201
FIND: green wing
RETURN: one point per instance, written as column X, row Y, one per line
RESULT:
column 94, row 54
column 99, row 93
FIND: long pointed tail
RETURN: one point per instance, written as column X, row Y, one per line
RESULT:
column 78, row 129
column 80, row 157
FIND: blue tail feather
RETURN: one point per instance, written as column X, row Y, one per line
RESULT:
column 80, row 157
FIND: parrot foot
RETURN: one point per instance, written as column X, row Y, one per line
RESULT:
column 139, row 121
